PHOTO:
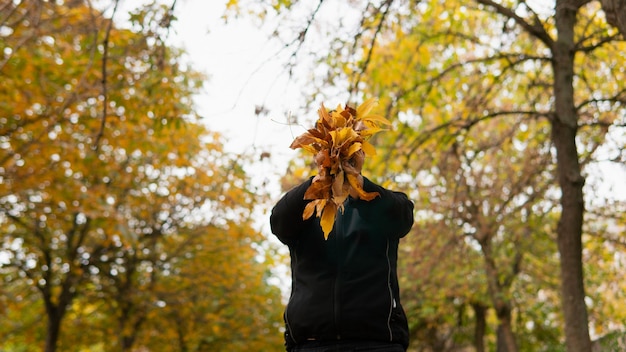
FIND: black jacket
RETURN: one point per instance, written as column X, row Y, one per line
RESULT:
column 346, row 287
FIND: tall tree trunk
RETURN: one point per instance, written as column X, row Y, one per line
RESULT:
column 130, row 336
column 56, row 311
column 53, row 329
column 480, row 327
column 505, row 337
column 615, row 11
column 55, row 314
column 569, row 230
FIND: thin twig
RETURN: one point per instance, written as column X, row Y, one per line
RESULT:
column 105, row 56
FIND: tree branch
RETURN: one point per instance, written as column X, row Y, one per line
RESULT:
column 105, row 57
column 354, row 86
column 535, row 29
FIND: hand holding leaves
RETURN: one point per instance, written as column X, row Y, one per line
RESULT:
column 339, row 143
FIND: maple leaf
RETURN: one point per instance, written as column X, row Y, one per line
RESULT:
column 338, row 135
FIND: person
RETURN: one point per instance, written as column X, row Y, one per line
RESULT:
column 345, row 292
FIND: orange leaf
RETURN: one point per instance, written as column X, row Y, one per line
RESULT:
column 354, row 182
column 323, row 158
column 320, row 204
column 304, row 139
column 316, row 133
column 308, row 210
column 318, row 190
column 338, row 183
column 340, row 189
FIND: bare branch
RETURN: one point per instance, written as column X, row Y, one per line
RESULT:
column 535, row 29
column 105, row 57
column 600, row 43
column 354, row 85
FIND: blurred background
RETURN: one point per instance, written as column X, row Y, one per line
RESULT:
column 144, row 143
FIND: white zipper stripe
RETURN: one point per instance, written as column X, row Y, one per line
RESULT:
column 391, row 299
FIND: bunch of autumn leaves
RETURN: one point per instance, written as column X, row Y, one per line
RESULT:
column 337, row 137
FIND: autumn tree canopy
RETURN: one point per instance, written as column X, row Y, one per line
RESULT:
column 124, row 223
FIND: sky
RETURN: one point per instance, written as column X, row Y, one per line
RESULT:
column 244, row 73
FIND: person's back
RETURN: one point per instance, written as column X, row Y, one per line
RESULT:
column 345, row 293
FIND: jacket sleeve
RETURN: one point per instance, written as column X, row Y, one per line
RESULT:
column 286, row 217
column 391, row 207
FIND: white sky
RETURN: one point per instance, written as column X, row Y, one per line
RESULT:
column 243, row 74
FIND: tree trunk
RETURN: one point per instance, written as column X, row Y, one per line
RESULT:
column 56, row 311
column 480, row 327
column 569, row 230
column 505, row 337
column 615, row 11
column 55, row 314
column 53, row 329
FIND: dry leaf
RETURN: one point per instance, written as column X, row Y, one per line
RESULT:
column 337, row 136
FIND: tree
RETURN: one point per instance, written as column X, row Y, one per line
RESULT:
column 473, row 62
column 485, row 198
column 615, row 11
column 110, row 183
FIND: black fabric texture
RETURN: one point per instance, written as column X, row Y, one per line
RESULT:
column 345, row 287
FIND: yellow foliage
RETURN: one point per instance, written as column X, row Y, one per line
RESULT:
column 337, row 136
column 125, row 204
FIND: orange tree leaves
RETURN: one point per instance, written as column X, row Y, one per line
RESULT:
column 337, row 137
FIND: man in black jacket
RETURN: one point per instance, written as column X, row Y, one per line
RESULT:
column 345, row 294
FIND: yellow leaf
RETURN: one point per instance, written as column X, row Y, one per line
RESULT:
column 328, row 218
column 370, row 131
column 368, row 148
column 333, row 136
column 367, row 106
column 354, row 147
column 345, row 136
column 377, row 119
column 318, row 190
column 309, row 148
column 340, row 121
column 367, row 195
column 353, row 180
